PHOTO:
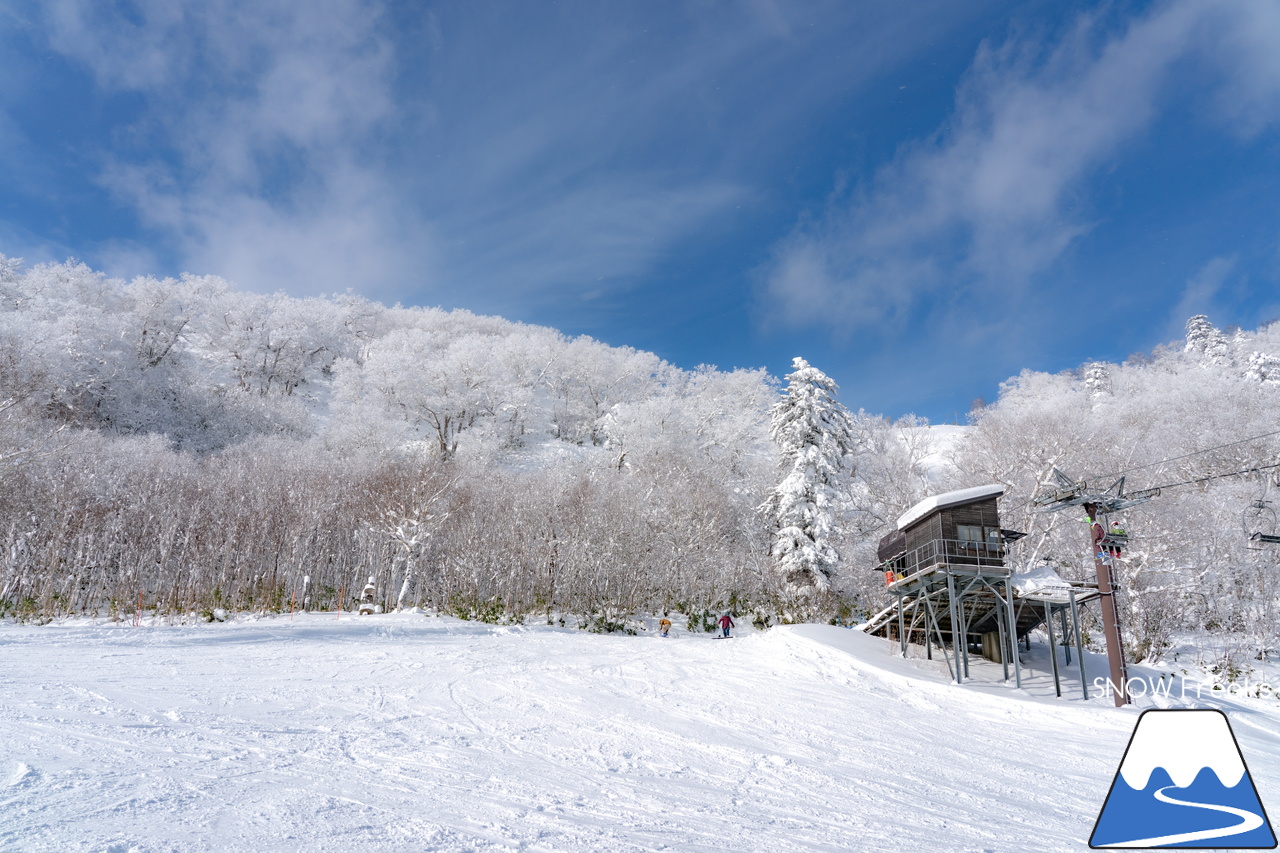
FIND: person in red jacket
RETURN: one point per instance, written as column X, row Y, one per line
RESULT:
column 726, row 622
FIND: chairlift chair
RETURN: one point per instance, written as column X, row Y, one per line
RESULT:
column 1119, row 541
column 1259, row 520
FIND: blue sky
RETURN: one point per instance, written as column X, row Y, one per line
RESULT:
column 921, row 198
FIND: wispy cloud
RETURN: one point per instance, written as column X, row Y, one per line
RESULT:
column 996, row 196
column 1243, row 44
column 1200, row 295
column 644, row 131
column 604, row 233
column 517, row 149
column 283, row 146
column 258, row 147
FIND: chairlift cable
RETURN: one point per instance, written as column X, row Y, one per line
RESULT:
column 1179, row 458
column 1192, row 481
column 1186, row 456
column 1220, row 476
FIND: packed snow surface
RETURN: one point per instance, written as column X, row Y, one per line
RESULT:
column 403, row 732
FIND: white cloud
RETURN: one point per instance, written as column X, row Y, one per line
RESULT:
column 347, row 231
column 123, row 53
column 262, row 125
column 601, row 233
column 288, row 167
column 354, row 237
column 1199, row 295
column 997, row 195
column 517, row 149
column 1248, row 57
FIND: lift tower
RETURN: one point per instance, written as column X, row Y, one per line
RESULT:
column 1097, row 505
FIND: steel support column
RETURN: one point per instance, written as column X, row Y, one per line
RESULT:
column 955, row 621
column 1075, row 620
column 1066, row 632
column 1013, row 634
column 928, row 605
column 902, row 635
column 1053, row 650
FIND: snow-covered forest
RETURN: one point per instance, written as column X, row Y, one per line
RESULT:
column 211, row 448
column 1180, row 417
column 203, row 448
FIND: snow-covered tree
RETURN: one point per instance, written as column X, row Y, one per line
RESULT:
column 1097, row 378
column 1205, row 341
column 1263, row 367
column 410, row 510
column 816, row 437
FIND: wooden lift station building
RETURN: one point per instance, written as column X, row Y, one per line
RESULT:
column 951, row 588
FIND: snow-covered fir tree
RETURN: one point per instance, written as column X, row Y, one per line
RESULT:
column 816, row 436
column 1204, row 339
column 1097, row 378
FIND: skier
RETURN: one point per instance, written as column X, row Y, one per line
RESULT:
column 367, row 607
column 1117, row 536
column 1096, row 534
column 726, row 622
column 664, row 625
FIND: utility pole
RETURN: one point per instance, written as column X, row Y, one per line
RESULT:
column 1107, row 603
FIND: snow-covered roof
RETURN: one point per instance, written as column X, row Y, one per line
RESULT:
column 1041, row 582
column 961, row 496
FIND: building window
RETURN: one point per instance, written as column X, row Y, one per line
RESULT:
column 976, row 538
column 970, row 536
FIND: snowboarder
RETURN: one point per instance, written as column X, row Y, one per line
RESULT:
column 726, row 622
column 664, row 625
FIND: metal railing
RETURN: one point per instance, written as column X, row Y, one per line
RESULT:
column 955, row 552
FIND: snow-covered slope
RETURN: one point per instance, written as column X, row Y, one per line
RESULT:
column 403, row 732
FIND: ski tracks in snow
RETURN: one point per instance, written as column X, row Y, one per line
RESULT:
column 400, row 732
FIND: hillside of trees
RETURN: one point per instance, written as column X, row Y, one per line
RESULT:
column 201, row 448
column 211, row 448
